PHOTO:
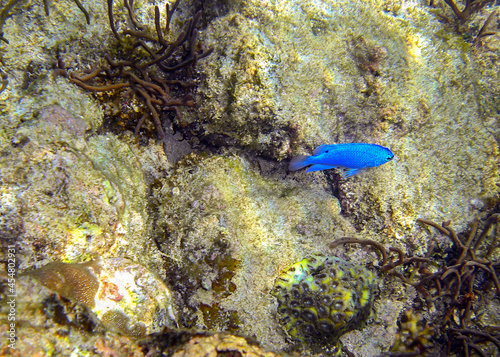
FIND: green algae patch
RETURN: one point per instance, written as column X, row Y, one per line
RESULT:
column 217, row 319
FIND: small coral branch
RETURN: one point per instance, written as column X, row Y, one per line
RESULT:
column 483, row 32
column 471, row 6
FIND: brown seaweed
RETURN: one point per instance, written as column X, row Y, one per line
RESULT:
column 148, row 70
column 464, row 280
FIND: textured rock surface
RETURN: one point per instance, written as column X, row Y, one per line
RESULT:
column 225, row 230
column 218, row 344
column 71, row 198
column 291, row 75
column 69, row 328
column 124, row 295
column 285, row 77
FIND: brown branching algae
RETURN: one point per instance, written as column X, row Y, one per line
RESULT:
column 148, row 77
column 457, row 284
column 221, row 224
column 471, row 6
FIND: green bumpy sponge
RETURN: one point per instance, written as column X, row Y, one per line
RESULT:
column 321, row 298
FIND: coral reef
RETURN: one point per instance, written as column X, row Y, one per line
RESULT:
column 68, row 327
column 70, row 198
column 124, row 295
column 220, row 224
column 223, row 229
column 293, row 75
column 321, row 298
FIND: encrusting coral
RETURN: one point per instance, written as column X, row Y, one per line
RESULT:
column 321, row 298
column 125, row 296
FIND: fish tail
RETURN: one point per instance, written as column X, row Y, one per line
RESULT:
column 298, row 162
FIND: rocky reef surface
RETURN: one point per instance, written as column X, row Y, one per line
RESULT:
column 211, row 211
column 292, row 75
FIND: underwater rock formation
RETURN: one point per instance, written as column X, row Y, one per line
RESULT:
column 124, row 295
column 291, row 75
column 321, row 298
column 201, row 344
column 69, row 198
column 227, row 231
column 285, row 76
column 46, row 322
column 218, row 344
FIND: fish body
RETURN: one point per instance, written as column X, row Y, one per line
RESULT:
column 350, row 157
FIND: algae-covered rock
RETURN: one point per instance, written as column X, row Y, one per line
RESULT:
column 191, row 343
column 70, row 198
column 46, row 324
column 216, row 344
column 291, row 75
column 227, row 232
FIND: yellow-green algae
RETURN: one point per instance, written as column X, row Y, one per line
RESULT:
column 429, row 96
column 291, row 75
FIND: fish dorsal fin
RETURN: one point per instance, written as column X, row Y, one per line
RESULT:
column 322, row 149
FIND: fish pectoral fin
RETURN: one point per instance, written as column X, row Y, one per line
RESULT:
column 350, row 172
column 318, row 167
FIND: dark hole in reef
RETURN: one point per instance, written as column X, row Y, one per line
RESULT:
column 326, row 326
column 326, row 300
column 295, row 312
column 308, row 329
column 322, row 310
column 338, row 317
column 320, row 276
column 294, row 304
column 305, row 287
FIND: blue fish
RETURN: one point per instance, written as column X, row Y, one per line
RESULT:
column 352, row 158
